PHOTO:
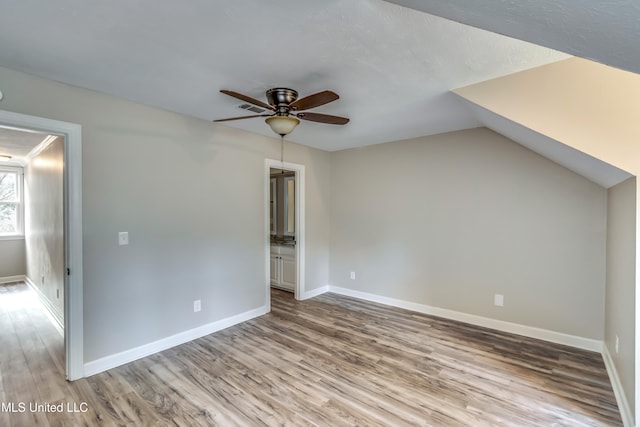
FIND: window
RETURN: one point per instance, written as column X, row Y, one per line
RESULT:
column 11, row 212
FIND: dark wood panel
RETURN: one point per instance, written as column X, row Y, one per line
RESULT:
column 328, row 361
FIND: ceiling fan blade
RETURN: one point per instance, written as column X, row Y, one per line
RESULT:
column 243, row 117
column 248, row 99
column 315, row 100
column 323, row 118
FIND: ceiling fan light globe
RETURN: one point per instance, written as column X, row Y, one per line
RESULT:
column 282, row 125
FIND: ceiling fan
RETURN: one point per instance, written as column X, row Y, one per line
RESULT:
column 286, row 108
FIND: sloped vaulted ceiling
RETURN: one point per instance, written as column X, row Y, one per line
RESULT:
column 585, row 105
column 579, row 113
column 604, row 31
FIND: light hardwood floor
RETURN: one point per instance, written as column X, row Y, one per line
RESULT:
column 328, row 361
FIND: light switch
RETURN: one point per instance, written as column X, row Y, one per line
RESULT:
column 123, row 238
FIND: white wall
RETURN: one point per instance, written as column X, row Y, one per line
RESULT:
column 317, row 202
column 621, row 282
column 190, row 193
column 450, row 220
column 44, row 225
column 12, row 258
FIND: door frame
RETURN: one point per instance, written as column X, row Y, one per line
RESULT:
column 73, row 284
column 300, row 224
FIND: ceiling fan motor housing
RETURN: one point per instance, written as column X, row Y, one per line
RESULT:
column 280, row 96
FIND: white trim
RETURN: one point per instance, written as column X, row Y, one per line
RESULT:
column 39, row 148
column 618, row 391
column 300, row 228
column 12, row 237
column 12, row 168
column 51, row 312
column 110, row 362
column 267, row 238
column 500, row 325
column 73, row 316
column 636, row 380
column 315, row 292
column 300, row 190
column 13, row 279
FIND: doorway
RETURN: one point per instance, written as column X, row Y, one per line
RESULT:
column 292, row 237
column 72, row 228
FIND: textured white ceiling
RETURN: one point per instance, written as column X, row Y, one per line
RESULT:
column 392, row 66
column 606, row 31
column 18, row 144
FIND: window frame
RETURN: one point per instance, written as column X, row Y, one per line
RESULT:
column 19, row 234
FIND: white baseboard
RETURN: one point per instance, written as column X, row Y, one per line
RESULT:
column 500, row 325
column 114, row 360
column 621, row 397
column 55, row 317
column 315, row 292
column 12, row 279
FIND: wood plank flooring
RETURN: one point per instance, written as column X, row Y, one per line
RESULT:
column 328, row 361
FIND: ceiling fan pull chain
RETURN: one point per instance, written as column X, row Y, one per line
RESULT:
column 282, row 153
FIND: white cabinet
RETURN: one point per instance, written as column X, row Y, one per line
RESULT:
column 275, row 269
column 288, row 279
column 283, row 267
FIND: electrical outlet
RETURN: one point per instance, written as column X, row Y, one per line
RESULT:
column 617, row 344
column 353, row 275
column 498, row 300
column 197, row 306
column 58, row 293
column 123, row 238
